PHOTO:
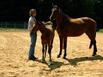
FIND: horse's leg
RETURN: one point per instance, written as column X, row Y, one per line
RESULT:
column 61, row 44
column 95, row 48
column 49, row 51
column 50, row 48
column 65, row 47
column 43, row 50
column 93, row 42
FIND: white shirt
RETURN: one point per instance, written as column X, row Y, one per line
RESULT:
column 31, row 23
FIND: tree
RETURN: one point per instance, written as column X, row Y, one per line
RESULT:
column 17, row 10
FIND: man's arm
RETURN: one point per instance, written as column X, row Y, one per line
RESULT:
column 31, row 24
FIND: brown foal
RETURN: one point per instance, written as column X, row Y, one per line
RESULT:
column 47, row 37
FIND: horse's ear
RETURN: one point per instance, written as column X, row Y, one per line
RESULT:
column 52, row 4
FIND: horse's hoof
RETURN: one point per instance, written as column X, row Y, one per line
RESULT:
column 64, row 57
column 58, row 56
column 94, row 54
column 50, row 63
column 43, row 61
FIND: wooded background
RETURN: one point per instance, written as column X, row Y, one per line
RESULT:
column 17, row 10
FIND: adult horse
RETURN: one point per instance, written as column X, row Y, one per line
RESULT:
column 47, row 37
column 67, row 26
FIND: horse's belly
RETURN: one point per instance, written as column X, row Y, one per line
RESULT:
column 73, row 33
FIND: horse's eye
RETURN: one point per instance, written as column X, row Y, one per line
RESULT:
column 52, row 10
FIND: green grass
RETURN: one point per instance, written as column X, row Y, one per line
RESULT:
column 100, row 30
column 12, row 30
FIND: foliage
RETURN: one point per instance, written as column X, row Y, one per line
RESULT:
column 101, row 30
column 17, row 10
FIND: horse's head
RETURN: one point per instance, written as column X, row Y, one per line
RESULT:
column 55, row 13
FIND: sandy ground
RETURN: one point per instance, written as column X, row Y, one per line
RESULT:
column 14, row 47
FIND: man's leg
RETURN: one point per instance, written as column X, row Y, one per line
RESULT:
column 32, row 46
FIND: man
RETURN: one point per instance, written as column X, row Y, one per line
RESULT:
column 33, row 35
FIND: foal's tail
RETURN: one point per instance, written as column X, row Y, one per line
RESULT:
column 91, row 44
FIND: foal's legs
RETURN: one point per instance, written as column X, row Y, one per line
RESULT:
column 61, row 45
column 65, row 47
column 49, row 51
column 43, row 53
column 50, row 48
column 45, row 50
column 93, row 42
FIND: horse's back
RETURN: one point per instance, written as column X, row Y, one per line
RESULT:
column 76, row 20
column 78, row 26
column 88, row 19
column 82, row 20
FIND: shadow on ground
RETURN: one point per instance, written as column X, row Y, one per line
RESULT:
column 55, row 65
column 75, row 61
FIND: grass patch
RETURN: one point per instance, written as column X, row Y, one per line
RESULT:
column 12, row 30
column 100, row 30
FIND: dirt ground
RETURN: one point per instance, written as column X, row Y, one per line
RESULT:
column 14, row 46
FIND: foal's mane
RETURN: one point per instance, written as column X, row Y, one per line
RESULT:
column 45, row 25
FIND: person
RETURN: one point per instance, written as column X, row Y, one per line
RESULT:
column 33, row 35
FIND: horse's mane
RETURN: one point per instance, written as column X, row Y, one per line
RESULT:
column 66, row 18
column 64, row 15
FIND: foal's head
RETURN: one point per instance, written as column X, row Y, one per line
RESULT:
column 55, row 13
column 36, row 27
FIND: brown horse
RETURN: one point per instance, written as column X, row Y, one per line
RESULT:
column 47, row 37
column 73, row 27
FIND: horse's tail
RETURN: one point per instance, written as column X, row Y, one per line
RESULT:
column 90, row 46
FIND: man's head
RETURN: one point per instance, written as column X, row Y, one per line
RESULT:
column 32, row 12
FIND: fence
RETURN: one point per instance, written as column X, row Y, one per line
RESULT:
column 22, row 25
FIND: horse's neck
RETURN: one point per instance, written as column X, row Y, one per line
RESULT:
column 66, row 17
column 63, row 18
column 42, row 28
